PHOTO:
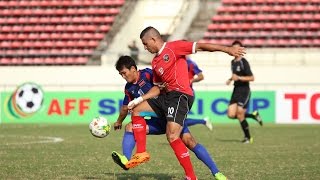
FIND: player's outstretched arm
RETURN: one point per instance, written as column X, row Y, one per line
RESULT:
column 231, row 50
column 197, row 78
column 122, row 115
column 153, row 92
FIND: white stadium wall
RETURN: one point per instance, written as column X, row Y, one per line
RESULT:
column 291, row 92
column 267, row 77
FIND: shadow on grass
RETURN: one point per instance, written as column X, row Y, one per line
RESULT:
column 134, row 176
column 228, row 140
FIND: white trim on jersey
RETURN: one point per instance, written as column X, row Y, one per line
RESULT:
column 162, row 48
column 194, row 47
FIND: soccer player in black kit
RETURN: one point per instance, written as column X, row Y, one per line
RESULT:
column 241, row 75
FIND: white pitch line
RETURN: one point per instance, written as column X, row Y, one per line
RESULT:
column 42, row 139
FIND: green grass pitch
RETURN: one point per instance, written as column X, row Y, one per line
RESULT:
column 279, row 152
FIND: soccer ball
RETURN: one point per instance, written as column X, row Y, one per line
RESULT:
column 29, row 97
column 99, row 127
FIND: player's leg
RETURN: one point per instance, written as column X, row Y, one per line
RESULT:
column 128, row 142
column 244, row 125
column 139, row 128
column 243, row 97
column 256, row 116
column 232, row 110
column 176, row 111
column 205, row 121
column 201, row 152
column 192, row 121
column 233, row 107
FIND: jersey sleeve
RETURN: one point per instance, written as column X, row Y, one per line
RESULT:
column 184, row 47
column 156, row 79
column 149, row 75
column 196, row 68
column 247, row 69
column 127, row 97
column 232, row 70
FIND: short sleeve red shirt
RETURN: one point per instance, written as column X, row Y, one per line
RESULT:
column 170, row 66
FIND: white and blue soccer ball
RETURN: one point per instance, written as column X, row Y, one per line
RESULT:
column 99, row 127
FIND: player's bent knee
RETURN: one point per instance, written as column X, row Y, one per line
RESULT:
column 129, row 127
column 189, row 141
column 232, row 116
column 240, row 115
column 172, row 137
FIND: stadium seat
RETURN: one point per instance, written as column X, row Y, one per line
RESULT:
column 279, row 21
column 36, row 26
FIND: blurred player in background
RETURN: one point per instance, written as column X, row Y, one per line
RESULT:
column 140, row 82
column 196, row 75
column 241, row 75
column 169, row 67
column 134, row 51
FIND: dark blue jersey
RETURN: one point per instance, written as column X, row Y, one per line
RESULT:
column 193, row 69
column 135, row 90
column 142, row 86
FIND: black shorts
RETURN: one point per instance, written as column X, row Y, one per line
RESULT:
column 241, row 96
column 173, row 106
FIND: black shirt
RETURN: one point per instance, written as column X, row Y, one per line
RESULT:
column 241, row 68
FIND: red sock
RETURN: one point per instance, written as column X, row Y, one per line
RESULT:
column 183, row 156
column 139, row 132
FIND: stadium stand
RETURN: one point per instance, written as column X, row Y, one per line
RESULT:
column 266, row 23
column 54, row 32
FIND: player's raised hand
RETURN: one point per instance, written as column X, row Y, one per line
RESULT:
column 135, row 102
column 228, row 82
column 117, row 125
column 236, row 51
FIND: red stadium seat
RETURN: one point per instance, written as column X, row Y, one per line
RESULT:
column 38, row 60
column 49, row 60
column 314, row 25
column 81, row 60
column 16, row 44
column 5, row 44
column 316, row 42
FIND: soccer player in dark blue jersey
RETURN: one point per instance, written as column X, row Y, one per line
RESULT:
column 196, row 75
column 139, row 82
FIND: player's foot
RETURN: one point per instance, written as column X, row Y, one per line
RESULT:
column 220, row 176
column 119, row 159
column 247, row 140
column 137, row 159
column 257, row 117
column 208, row 123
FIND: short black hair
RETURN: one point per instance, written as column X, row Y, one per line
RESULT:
column 149, row 28
column 237, row 42
column 125, row 62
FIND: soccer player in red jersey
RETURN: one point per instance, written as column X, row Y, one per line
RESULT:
column 169, row 67
column 138, row 83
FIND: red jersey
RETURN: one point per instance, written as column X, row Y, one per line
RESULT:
column 170, row 66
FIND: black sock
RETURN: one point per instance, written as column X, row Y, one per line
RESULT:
column 245, row 128
column 247, row 115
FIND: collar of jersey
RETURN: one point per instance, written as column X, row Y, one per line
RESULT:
column 160, row 51
column 137, row 78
